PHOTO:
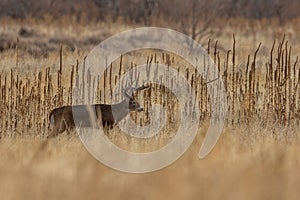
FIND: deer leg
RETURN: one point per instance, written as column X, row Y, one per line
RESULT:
column 70, row 131
column 57, row 129
column 53, row 133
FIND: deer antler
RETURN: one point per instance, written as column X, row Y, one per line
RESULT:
column 133, row 90
column 141, row 87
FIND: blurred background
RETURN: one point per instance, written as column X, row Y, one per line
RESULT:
column 257, row 20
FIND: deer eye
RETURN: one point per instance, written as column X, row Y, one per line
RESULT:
column 133, row 103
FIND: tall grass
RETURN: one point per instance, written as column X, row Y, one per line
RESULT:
column 270, row 96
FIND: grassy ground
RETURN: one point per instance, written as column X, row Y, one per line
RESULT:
column 254, row 166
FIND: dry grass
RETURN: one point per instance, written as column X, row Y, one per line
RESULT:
column 241, row 166
column 255, row 158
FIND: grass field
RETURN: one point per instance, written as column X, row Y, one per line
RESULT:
column 252, row 166
column 255, row 158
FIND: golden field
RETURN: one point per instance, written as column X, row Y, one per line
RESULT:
column 256, row 157
column 241, row 166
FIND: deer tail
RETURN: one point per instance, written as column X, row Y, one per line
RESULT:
column 51, row 117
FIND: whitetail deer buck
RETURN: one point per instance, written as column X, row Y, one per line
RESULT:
column 62, row 119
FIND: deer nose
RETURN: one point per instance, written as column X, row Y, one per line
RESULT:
column 140, row 109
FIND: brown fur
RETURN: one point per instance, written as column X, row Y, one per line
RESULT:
column 106, row 115
column 62, row 118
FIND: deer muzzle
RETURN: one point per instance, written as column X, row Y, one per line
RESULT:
column 140, row 109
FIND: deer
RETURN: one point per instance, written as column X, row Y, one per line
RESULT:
column 106, row 115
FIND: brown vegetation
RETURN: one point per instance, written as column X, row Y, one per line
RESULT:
column 256, row 157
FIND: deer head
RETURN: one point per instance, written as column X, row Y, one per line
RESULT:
column 130, row 94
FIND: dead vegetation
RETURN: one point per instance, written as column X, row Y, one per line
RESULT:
column 268, row 95
column 256, row 155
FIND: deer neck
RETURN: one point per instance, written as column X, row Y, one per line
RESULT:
column 120, row 110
